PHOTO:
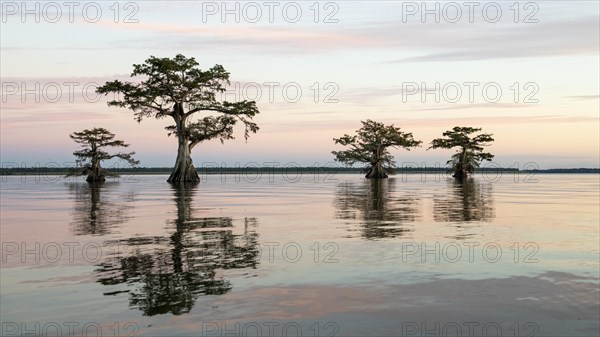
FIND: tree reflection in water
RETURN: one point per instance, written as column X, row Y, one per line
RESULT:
column 168, row 274
column 94, row 212
column 375, row 204
column 465, row 201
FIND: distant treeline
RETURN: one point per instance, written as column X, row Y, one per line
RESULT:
column 234, row 170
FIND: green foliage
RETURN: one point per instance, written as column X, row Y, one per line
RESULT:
column 93, row 142
column 178, row 88
column 470, row 152
column 370, row 145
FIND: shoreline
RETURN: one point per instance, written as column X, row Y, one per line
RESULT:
column 270, row 170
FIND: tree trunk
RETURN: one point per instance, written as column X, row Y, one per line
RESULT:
column 96, row 174
column 461, row 173
column 95, row 178
column 376, row 171
column 184, row 170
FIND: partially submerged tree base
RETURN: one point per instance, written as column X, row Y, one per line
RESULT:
column 94, row 176
column 95, row 179
column 184, row 172
column 460, row 176
column 376, row 172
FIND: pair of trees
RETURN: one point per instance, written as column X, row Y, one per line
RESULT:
column 372, row 141
column 172, row 88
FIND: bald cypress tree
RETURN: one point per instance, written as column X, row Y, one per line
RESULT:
column 178, row 89
column 93, row 151
column 371, row 146
column 470, row 149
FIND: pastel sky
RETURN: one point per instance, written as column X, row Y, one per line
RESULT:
column 365, row 58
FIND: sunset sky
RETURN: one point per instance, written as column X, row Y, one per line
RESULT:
column 365, row 57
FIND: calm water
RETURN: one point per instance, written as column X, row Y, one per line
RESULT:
column 340, row 256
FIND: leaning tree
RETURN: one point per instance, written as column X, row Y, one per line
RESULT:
column 470, row 149
column 93, row 143
column 178, row 88
column 370, row 145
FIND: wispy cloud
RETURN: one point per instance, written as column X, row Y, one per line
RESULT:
column 584, row 97
column 431, row 42
column 554, row 38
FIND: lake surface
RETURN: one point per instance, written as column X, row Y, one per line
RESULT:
column 303, row 255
